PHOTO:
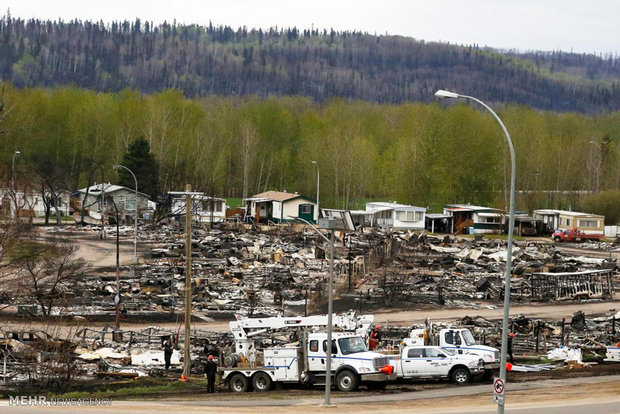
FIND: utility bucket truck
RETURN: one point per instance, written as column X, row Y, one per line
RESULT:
column 458, row 340
column 300, row 356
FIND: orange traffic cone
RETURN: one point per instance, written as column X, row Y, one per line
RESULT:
column 183, row 377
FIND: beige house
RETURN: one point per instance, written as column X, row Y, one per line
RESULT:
column 280, row 206
column 565, row 220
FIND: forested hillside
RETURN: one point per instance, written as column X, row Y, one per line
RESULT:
column 425, row 154
column 202, row 61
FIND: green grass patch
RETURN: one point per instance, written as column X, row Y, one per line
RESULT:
column 498, row 237
column 137, row 388
column 234, row 202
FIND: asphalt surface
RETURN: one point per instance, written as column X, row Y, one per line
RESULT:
column 606, row 404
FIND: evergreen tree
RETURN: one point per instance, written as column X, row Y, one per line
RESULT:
column 141, row 162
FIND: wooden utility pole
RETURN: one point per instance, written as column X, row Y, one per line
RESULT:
column 188, row 272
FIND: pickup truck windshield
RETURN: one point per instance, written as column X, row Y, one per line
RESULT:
column 468, row 338
column 351, row 345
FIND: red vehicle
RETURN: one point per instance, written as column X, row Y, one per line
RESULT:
column 574, row 235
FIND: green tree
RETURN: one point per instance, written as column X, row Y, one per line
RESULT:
column 143, row 164
column 605, row 203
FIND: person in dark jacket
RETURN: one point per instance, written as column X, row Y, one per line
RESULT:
column 210, row 371
column 167, row 354
column 510, row 336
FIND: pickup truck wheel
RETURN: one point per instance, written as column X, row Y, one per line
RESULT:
column 238, row 383
column 461, row 376
column 557, row 239
column 261, row 382
column 347, row 381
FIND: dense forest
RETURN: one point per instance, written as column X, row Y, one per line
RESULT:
column 219, row 60
column 424, row 154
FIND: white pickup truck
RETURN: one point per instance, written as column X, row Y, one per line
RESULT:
column 459, row 340
column 419, row 362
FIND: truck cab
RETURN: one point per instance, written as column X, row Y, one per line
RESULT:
column 419, row 362
column 566, row 235
column 351, row 364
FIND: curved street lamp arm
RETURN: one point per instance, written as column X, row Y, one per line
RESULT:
column 130, row 172
column 311, row 225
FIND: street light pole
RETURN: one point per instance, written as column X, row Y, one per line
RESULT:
column 318, row 184
column 502, row 367
column 15, row 213
column 117, row 297
column 135, row 231
column 188, row 280
column 330, row 302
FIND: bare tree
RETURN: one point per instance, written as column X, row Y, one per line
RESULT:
column 12, row 236
column 45, row 273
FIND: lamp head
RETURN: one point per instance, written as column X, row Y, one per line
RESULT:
column 446, row 94
column 314, row 162
column 115, row 166
column 17, row 152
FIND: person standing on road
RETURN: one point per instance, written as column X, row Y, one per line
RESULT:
column 167, row 354
column 511, row 335
column 210, row 371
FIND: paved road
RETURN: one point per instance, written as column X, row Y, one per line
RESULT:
column 573, row 395
column 592, row 406
column 97, row 252
column 534, row 310
column 574, row 249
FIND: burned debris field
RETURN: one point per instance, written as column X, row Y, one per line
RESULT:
column 241, row 270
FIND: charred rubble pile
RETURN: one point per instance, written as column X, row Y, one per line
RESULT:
column 285, row 270
column 540, row 336
column 448, row 271
column 246, row 273
column 57, row 360
column 45, row 360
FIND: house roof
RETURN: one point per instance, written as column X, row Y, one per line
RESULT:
column 353, row 212
column 383, row 206
column 276, row 195
column 281, row 196
column 435, row 216
column 552, row 212
column 108, row 188
column 195, row 197
column 489, row 214
column 468, row 207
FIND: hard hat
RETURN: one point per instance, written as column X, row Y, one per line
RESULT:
column 511, row 334
column 210, row 357
column 378, row 327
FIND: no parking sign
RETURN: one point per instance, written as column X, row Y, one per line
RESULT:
column 498, row 391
